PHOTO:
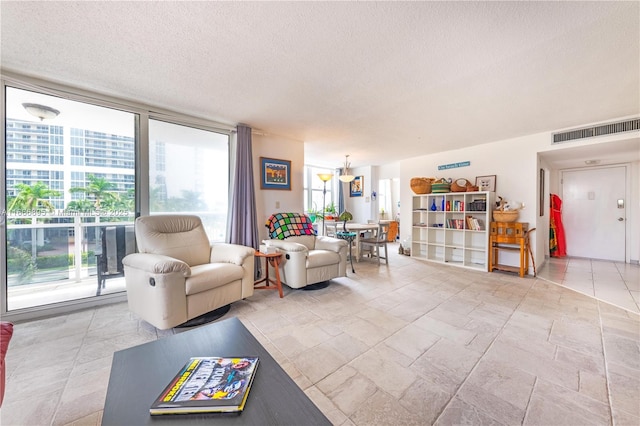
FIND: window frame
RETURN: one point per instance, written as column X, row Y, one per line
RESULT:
column 143, row 113
column 311, row 173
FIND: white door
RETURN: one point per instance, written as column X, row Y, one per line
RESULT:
column 594, row 212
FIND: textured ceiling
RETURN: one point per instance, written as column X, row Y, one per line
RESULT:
column 381, row 81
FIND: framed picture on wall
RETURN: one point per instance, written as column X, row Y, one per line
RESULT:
column 357, row 187
column 486, row 183
column 275, row 174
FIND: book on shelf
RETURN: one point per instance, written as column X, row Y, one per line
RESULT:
column 208, row 385
column 475, row 224
column 470, row 224
column 455, row 224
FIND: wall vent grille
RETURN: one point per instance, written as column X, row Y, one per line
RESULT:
column 600, row 130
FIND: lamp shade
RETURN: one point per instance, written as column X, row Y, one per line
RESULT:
column 346, row 176
column 325, row 177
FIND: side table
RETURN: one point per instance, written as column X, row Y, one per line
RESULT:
column 272, row 259
column 509, row 236
column 349, row 236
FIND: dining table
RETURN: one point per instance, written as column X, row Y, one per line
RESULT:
column 359, row 229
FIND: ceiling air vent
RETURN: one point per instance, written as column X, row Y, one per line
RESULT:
column 600, row 130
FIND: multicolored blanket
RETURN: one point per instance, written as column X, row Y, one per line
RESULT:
column 284, row 225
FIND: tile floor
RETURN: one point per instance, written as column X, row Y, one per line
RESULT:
column 613, row 282
column 411, row 343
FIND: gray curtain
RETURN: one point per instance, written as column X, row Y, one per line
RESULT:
column 243, row 225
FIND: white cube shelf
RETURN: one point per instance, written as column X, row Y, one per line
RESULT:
column 452, row 228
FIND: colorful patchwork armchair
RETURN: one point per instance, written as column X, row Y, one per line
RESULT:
column 307, row 258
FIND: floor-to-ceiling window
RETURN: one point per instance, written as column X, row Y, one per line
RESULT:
column 189, row 173
column 70, row 170
column 77, row 162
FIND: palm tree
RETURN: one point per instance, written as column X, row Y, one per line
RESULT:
column 33, row 197
column 121, row 201
column 98, row 188
column 80, row 205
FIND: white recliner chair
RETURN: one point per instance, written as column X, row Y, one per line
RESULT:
column 306, row 259
column 178, row 275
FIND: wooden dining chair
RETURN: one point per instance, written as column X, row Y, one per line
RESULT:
column 332, row 228
column 373, row 244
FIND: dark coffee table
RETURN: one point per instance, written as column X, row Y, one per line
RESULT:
column 139, row 374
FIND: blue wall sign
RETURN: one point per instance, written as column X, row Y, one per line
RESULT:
column 454, row 165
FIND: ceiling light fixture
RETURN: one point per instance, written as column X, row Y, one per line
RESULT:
column 345, row 176
column 41, row 111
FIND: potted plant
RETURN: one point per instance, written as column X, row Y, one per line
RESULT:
column 344, row 217
column 313, row 213
column 330, row 212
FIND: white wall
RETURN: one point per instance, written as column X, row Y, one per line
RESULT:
column 391, row 172
column 361, row 207
column 515, row 164
column 365, row 208
column 634, row 219
column 542, row 222
column 290, row 201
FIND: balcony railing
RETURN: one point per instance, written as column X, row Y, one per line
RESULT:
column 45, row 247
column 57, row 251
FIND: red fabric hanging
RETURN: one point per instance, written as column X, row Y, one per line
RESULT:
column 557, row 239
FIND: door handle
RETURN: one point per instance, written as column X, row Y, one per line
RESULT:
column 620, row 219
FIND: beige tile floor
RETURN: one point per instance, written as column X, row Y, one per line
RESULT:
column 613, row 282
column 411, row 343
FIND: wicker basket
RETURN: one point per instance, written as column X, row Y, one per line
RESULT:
column 421, row 185
column 472, row 188
column 462, row 185
column 440, row 186
column 505, row 215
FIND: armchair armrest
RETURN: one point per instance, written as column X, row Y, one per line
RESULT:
column 230, row 253
column 156, row 263
column 240, row 255
column 286, row 245
column 330, row 243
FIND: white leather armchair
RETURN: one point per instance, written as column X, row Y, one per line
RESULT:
column 308, row 259
column 177, row 275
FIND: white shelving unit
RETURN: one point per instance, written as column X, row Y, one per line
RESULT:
column 441, row 231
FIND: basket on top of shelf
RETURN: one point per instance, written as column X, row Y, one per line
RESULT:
column 505, row 215
column 440, row 186
column 463, row 185
column 421, row 185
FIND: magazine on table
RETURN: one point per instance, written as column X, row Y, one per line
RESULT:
column 208, row 385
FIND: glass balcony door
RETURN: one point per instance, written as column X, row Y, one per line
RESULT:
column 70, row 171
column 189, row 174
